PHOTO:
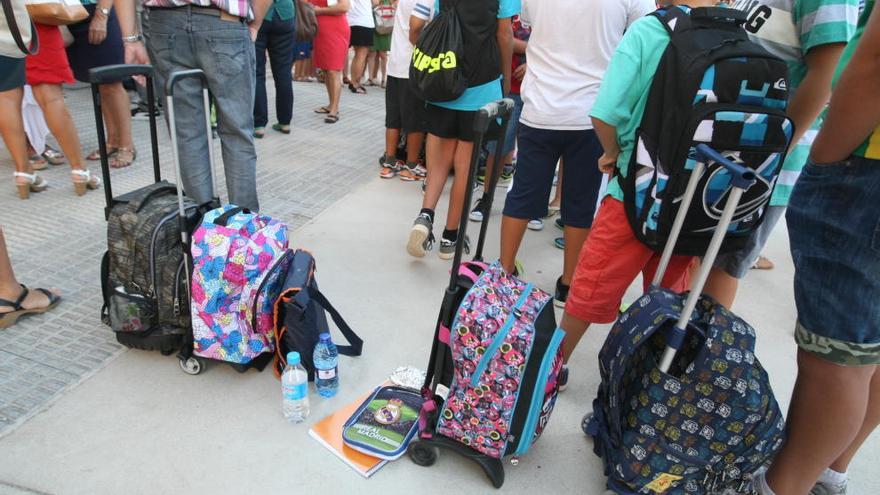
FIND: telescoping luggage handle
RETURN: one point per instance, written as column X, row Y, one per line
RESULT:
column 483, row 119
column 115, row 73
column 742, row 178
column 170, row 84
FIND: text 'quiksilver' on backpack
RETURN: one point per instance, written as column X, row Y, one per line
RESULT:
column 714, row 86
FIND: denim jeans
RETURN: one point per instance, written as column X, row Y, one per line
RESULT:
column 180, row 39
column 278, row 37
column 834, row 227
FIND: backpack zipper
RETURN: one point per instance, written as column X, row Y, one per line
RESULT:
column 275, row 266
column 151, row 292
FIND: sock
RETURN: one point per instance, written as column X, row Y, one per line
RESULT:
column 450, row 235
column 761, row 484
column 832, row 477
column 429, row 212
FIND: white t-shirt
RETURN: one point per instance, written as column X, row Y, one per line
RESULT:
column 361, row 14
column 401, row 49
column 571, row 44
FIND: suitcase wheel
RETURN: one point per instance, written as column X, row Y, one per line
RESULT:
column 191, row 365
column 423, row 455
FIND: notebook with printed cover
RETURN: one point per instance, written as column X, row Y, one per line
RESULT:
column 385, row 423
column 328, row 432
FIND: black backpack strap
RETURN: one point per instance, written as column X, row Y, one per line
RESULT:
column 673, row 18
column 356, row 344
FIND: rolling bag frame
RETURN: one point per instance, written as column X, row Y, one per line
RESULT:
column 425, row 451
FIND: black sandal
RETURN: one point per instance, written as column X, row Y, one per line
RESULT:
column 331, row 118
column 9, row 318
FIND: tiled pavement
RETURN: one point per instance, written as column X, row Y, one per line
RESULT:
column 57, row 239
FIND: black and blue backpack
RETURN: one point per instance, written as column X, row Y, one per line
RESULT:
column 714, row 86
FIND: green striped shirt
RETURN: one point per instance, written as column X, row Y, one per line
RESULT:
column 789, row 29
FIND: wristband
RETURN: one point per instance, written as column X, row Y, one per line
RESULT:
column 132, row 39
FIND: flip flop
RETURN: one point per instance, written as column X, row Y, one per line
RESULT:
column 283, row 129
column 331, row 118
column 9, row 318
column 322, row 110
column 762, row 263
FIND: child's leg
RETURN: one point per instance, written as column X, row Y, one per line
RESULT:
column 462, row 162
column 440, row 153
column 608, row 263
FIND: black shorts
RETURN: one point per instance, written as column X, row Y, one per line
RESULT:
column 450, row 124
column 539, row 151
column 403, row 109
column 361, row 36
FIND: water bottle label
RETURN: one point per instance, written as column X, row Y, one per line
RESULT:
column 296, row 392
column 327, row 374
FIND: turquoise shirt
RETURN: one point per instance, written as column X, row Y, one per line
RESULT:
column 282, row 8
column 624, row 91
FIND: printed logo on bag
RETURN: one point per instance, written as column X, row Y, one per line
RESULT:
column 662, row 482
column 423, row 61
column 389, row 413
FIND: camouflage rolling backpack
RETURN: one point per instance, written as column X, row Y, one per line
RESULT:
column 143, row 277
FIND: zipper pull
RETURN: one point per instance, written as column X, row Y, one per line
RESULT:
column 176, row 307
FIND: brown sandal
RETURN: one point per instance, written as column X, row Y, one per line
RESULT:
column 123, row 157
column 95, row 155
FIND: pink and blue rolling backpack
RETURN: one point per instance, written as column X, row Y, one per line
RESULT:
column 492, row 379
column 239, row 263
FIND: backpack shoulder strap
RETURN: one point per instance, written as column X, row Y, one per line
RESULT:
column 356, row 344
column 674, row 18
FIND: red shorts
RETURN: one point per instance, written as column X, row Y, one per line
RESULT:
column 610, row 260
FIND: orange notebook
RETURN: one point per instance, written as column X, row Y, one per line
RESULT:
column 328, row 432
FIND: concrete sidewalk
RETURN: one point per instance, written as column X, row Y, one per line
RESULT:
column 141, row 425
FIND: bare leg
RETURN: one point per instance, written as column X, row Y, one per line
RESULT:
column 359, row 65
column 816, row 440
column 10, row 289
column 557, row 195
column 373, row 65
column 462, row 162
column 872, row 420
column 117, row 113
column 574, row 241
column 334, row 90
column 414, row 141
column 721, row 286
column 12, row 129
column 575, row 329
column 392, row 137
column 440, row 154
column 51, row 101
column 383, row 65
column 512, row 232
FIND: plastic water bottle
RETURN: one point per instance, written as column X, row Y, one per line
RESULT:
column 326, row 359
column 295, row 390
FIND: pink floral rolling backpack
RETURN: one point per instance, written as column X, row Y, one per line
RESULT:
column 239, row 264
column 499, row 360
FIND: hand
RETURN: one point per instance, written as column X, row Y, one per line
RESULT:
column 607, row 163
column 254, row 28
column 136, row 53
column 98, row 28
column 520, row 72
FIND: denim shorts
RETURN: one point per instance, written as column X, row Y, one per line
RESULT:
column 834, row 227
column 539, row 151
column 738, row 263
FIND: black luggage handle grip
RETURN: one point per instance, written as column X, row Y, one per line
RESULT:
column 118, row 72
column 223, row 220
column 490, row 112
column 742, row 177
column 180, row 75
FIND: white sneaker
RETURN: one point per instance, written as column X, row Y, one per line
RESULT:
column 536, row 224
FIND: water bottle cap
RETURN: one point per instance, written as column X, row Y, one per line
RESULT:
column 325, row 337
column 293, row 358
